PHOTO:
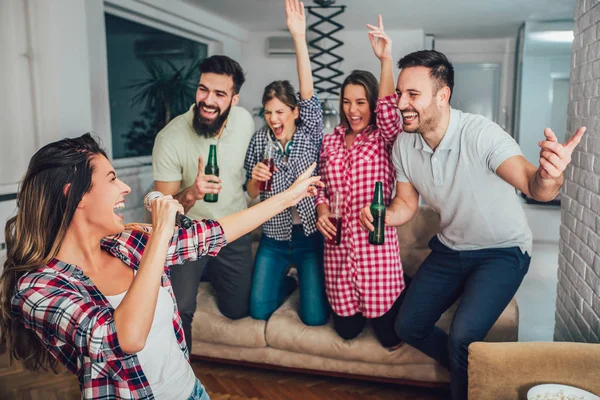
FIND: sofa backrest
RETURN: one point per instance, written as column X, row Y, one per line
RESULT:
column 414, row 236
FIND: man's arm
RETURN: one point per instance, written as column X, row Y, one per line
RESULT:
column 544, row 182
column 400, row 210
column 188, row 196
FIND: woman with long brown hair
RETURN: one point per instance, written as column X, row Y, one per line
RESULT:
column 81, row 288
column 363, row 281
column 294, row 130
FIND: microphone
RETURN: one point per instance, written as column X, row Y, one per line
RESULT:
column 180, row 219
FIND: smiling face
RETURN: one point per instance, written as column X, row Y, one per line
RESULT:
column 214, row 99
column 356, row 107
column 420, row 100
column 100, row 206
column 281, row 118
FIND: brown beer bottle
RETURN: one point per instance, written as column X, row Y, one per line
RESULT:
column 212, row 169
column 377, row 235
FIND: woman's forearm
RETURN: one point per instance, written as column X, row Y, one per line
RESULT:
column 253, row 188
column 133, row 317
column 242, row 222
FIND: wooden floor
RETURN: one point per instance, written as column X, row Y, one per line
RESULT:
column 223, row 382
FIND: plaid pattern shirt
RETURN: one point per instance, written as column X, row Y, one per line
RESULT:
column 359, row 277
column 305, row 150
column 74, row 321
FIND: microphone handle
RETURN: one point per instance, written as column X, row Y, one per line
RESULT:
column 183, row 221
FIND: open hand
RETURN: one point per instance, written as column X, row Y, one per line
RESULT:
column 382, row 44
column 295, row 17
column 554, row 157
column 305, row 186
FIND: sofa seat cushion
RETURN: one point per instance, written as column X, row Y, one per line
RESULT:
column 285, row 331
column 211, row 326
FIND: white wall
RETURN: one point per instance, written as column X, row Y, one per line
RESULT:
column 501, row 50
column 536, row 99
column 357, row 52
column 53, row 70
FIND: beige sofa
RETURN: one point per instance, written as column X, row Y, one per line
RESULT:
column 506, row 371
column 285, row 342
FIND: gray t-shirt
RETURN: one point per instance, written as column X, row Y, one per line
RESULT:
column 478, row 209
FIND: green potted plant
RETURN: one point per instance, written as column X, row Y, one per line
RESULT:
column 167, row 92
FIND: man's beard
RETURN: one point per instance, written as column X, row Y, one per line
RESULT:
column 427, row 120
column 206, row 127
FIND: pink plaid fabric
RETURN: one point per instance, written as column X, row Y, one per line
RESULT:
column 74, row 321
column 359, row 277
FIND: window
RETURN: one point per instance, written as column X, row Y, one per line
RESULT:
column 152, row 78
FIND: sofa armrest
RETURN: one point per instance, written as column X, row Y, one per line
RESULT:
column 508, row 370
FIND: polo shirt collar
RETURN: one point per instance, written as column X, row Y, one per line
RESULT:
column 449, row 139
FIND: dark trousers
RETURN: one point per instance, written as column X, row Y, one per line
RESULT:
column 486, row 279
column 350, row 327
column 230, row 273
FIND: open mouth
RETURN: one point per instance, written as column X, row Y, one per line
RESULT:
column 409, row 116
column 209, row 112
column 119, row 206
column 354, row 120
column 277, row 129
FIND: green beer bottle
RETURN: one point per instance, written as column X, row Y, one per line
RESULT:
column 212, row 169
column 377, row 236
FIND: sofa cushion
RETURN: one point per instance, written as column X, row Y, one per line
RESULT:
column 285, row 331
column 414, row 236
column 211, row 326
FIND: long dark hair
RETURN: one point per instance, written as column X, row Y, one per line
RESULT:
column 368, row 81
column 57, row 177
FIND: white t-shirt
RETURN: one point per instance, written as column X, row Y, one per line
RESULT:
column 478, row 209
column 168, row 372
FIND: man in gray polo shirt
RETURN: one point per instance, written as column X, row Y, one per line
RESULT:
column 466, row 167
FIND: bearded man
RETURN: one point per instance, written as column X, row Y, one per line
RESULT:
column 178, row 157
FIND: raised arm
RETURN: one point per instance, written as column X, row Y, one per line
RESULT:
column 382, row 47
column 388, row 118
column 542, row 183
column 296, row 22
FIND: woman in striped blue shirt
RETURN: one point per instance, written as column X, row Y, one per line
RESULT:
column 294, row 128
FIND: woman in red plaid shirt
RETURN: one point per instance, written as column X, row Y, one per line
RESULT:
column 362, row 281
column 81, row 288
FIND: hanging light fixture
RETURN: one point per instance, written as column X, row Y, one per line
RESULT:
column 325, row 60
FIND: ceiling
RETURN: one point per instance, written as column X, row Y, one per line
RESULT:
column 443, row 18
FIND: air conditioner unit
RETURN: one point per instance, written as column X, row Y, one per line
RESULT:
column 283, row 45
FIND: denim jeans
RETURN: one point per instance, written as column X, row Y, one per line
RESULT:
column 271, row 285
column 199, row 393
column 486, row 279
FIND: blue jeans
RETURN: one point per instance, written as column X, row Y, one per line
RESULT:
column 486, row 279
column 271, row 285
column 199, row 393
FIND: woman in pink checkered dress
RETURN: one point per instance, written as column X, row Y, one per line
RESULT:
column 362, row 281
